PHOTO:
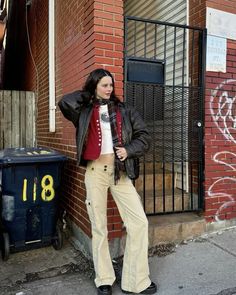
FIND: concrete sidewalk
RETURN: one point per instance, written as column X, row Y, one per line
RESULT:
column 204, row 266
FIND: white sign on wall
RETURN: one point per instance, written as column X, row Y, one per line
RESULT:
column 216, row 54
column 220, row 23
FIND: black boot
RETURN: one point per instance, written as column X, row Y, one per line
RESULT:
column 104, row 290
column 152, row 289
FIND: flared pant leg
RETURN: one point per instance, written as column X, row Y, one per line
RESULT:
column 97, row 183
column 135, row 273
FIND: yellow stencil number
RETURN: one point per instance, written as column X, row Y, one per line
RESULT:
column 24, row 196
column 48, row 192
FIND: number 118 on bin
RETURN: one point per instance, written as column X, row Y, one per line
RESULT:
column 47, row 192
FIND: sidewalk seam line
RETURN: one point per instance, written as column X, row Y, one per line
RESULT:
column 220, row 247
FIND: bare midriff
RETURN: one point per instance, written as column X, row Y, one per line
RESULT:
column 106, row 159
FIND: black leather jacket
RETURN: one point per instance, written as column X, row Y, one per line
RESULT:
column 135, row 136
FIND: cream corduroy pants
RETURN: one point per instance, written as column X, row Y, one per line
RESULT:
column 135, row 273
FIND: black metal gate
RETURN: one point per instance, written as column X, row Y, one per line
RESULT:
column 164, row 80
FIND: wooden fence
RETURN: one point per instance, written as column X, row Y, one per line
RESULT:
column 17, row 119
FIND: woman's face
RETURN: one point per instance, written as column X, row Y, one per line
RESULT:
column 104, row 88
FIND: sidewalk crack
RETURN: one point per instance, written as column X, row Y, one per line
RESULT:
column 222, row 248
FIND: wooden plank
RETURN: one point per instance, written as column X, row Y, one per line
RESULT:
column 15, row 136
column 17, row 119
column 1, row 121
column 30, row 119
column 22, row 112
column 7, row 119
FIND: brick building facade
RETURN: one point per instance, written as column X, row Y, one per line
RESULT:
column 90, row 34
column 220, row 132
column 91, row 37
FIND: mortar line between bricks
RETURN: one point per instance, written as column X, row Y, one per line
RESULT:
column 222, row 248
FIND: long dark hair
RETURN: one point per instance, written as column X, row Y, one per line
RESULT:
column 88, row 91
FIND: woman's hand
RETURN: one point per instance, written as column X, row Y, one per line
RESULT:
column 121, row 153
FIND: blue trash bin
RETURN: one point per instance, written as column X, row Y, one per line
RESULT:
column 30, row 181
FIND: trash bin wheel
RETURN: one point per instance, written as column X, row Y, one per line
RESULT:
column 5, row 246
column 58, row 239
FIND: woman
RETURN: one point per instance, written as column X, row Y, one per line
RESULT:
column 110, row 137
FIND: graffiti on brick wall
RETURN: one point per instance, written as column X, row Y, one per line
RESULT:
column 216, row 190
column 223, row 111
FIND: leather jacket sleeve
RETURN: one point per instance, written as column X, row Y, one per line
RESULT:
column 70, row 106
column 138, row 141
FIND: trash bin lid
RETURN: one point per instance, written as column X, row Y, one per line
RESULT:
column 29, row 155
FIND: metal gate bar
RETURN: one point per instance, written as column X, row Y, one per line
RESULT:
column 172, row 107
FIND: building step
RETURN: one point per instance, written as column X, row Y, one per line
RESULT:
column 158, row 167
column 150, row 180
column 150, row 166
column 175, row 228
column 160, row 204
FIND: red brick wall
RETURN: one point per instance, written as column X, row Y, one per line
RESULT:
column 220, row 135
column 197, row 12
column 224, row 5
column 89, row 34
column 220, row 141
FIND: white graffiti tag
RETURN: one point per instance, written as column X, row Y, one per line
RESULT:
column 223, row 111
column 214, row 191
